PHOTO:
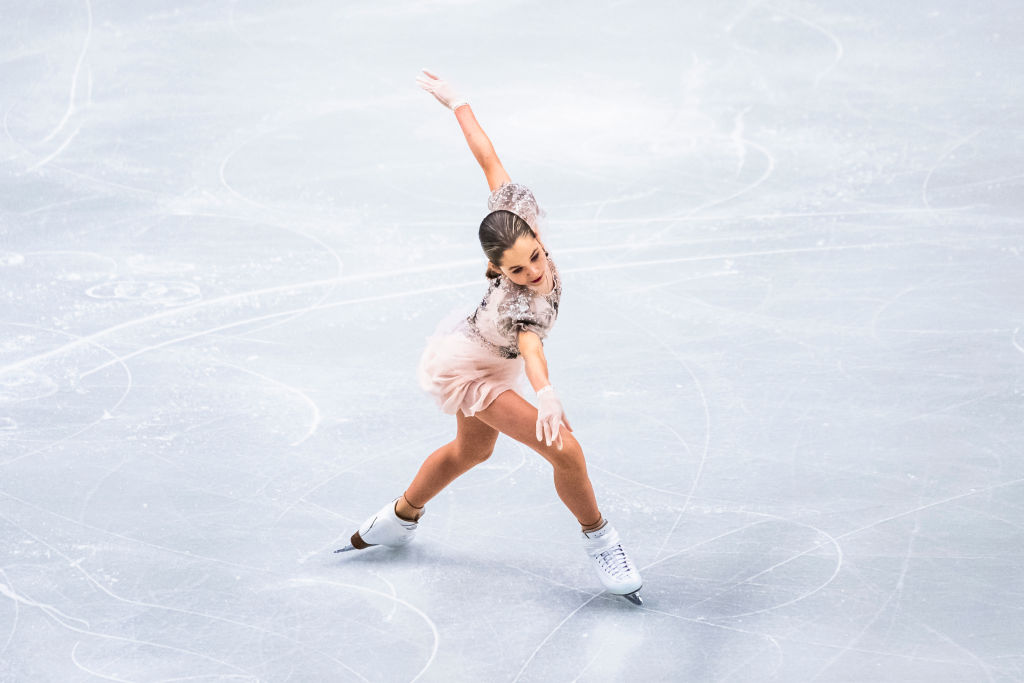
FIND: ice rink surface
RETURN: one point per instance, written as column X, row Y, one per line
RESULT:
column 791, row 340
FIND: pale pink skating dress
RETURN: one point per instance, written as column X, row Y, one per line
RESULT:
column 473, row 359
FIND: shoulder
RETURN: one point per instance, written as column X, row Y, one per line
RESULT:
column 510, row 194
column 518, row 199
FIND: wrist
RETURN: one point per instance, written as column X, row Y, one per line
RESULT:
column 545, row 389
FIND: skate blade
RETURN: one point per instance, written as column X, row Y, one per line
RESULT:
column 634, row 598
column 355, row 543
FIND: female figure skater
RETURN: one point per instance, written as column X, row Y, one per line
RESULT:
column 472, row 367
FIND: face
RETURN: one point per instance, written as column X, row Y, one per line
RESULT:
column 524, row 263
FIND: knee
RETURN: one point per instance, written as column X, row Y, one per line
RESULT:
column 473, row 456
column 570, row 458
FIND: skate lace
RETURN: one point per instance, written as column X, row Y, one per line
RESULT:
column 615, row 562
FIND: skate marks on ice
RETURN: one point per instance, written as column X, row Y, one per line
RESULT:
column 73, row 106
column 822, row 547
column 756, row 12
column 692, row 379
column 20, row 383
column 1017, row 342
column 706, row 614
column 397, row 601
column 99, row 633
column 172, row 417
column 716, row 611
column 225, row 608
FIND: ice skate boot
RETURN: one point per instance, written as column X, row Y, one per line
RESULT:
column 384, row 528
column 617, row 572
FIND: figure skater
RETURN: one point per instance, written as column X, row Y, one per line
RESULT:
column 471, row 367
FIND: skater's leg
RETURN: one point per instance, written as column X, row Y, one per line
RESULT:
column 474, row 443
column 512, row 414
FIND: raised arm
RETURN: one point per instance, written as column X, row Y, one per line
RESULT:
column 479, row 144
column 482, row 148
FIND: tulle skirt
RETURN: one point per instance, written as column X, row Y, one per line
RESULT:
column 460, row 373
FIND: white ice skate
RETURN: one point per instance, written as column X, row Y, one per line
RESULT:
column 384, row 528
column 617, row 572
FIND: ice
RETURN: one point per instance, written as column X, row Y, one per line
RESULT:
column 791, row 340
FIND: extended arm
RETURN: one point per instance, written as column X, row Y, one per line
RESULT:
column 532, row 351
column 479, row 144
column 550, row 415
column 481, row 147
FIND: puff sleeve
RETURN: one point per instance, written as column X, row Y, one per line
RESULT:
column 519, row 200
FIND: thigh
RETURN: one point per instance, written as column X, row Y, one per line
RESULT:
column 513, row 415
column 474, row 435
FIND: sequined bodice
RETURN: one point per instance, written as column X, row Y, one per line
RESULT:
column 508, row 309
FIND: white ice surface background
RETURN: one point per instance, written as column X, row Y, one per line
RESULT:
column 791, row 341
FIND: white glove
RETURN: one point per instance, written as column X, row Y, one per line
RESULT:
column 550, row 416
column 441, row 89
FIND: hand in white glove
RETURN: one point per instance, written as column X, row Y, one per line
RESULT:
column 550, row 416
column 441, row 89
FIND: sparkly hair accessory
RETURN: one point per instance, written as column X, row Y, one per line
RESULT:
column 519, row 200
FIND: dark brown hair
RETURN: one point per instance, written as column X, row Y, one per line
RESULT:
column 499, row 230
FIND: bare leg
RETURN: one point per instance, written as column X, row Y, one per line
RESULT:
column 513, row 415
column 473, row 444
